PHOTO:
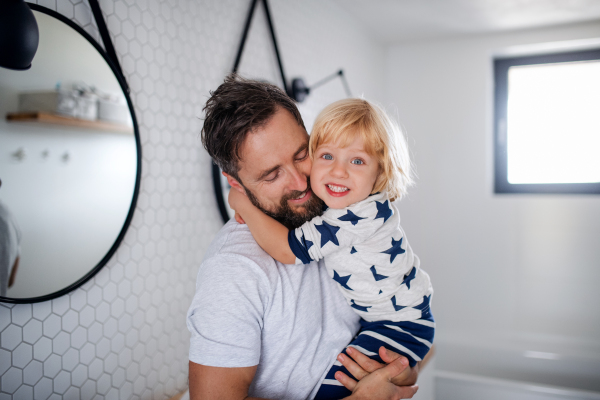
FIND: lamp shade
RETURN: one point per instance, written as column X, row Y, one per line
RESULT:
column 19, row 35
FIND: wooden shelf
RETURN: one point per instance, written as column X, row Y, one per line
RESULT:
column 54, row 119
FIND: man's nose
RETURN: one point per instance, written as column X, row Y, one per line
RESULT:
column 298, row 180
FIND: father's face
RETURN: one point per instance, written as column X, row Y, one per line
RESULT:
column 275, row 168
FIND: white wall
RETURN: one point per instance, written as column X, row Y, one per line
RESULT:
column 123, row 335
column 522, row 267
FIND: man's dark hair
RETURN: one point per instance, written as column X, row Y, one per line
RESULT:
column 236, row 108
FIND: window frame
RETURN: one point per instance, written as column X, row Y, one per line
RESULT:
column 501, row 67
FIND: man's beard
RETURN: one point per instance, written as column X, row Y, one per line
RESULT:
column 313, row 207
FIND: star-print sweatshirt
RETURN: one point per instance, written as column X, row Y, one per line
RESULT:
column 367, row 254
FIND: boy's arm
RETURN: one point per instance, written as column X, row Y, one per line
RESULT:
column 268, row 233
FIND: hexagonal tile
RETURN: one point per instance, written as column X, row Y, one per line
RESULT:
column 52, row 366
column 70, row 360
column 11, row 380
column 24, row 392
column 42, row 389
column 32, row 331
column 11, row 337
column 87, row 316
column 4, row 317
column 79, row 375
column 78, row 337
column 62, row 382
column 51, row 326
column 60, row 305
column 88, row 389
column 42, row 349
column 95, row 332
column 22, row 355
column 70, row 321
column 20, row 314
column 33, row 372
column 61, row 343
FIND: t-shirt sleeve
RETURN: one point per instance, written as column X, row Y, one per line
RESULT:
column 225, row 318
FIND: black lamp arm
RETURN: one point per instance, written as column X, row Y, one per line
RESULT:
column 323, row 81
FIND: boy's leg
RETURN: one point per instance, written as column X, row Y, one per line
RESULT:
column 412, row 339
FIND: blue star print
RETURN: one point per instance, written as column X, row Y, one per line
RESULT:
column 351, row 217
column 353, row 250
column 410, row 277
column 383, row 210
column 342, row 280
column 360, row 308
column 328, row 233
column 307, row 243
column 424, row 306
column 376, row 275
column 395, row 249
column 397, row 308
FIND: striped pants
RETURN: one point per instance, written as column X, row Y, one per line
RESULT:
column 412, row 339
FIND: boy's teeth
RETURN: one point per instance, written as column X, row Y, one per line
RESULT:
column 338, row 189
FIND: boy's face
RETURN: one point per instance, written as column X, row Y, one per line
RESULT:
column 343, row 176
column 274, row 170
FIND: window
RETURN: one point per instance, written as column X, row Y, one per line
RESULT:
column 547, row 123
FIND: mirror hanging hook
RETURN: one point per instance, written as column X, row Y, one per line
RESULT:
column 108, row 46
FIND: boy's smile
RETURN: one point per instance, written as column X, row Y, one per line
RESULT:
column 343, row 176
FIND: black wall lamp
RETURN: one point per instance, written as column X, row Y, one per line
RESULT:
column 297, row 90
column 19, row 35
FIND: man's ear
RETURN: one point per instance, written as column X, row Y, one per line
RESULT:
column 234, row 183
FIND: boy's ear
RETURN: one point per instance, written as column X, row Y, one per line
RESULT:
column 234, row 183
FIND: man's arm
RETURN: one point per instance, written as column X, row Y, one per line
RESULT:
column 216, row 383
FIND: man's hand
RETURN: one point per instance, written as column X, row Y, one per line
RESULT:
column 362, row 367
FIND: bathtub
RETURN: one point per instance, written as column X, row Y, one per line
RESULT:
column 515, row 370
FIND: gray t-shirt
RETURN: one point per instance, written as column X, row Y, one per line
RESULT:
column 250, row 310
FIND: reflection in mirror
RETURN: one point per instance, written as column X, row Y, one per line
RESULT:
column 68, row 165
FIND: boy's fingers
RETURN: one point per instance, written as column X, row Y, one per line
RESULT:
column 239, row 218
column 396, row 367
column 388, row 356
column 352, row 367
column 345, row 380
column 363, row 361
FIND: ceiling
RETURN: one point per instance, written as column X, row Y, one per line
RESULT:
column 405, row 20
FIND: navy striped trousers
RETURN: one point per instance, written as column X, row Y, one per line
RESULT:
column 412, row 339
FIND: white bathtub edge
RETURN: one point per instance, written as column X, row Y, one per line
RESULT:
column 532, row 387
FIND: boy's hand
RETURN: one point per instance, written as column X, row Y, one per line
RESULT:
column 376, row 381
column 360, row 366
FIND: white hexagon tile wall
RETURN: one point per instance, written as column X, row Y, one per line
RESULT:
column 123, row 334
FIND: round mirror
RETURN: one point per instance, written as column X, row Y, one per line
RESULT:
column 69, row 164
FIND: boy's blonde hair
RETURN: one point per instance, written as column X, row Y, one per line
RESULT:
column 341, row 122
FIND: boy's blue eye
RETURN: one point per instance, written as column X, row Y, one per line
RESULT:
column 357, row 161
column 327, row 156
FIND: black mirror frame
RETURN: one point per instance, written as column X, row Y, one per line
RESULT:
column 136, row 189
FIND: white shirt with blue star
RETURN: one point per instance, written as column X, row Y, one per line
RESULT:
column 367, row 254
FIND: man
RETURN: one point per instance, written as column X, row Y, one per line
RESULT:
column 261, row 328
